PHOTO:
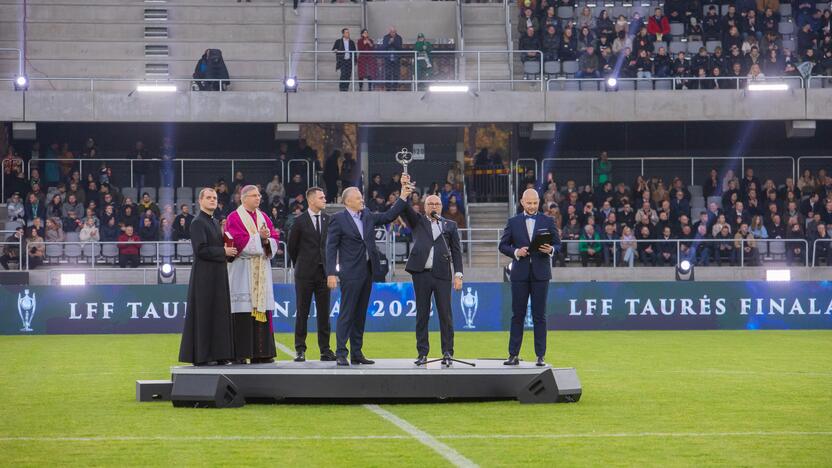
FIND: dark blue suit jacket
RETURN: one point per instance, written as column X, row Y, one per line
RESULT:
column 344, row 243
column 536, row 266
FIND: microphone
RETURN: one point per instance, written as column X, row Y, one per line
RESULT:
column 435, row 215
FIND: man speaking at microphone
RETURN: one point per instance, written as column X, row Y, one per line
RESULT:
column 436, row 246
column 531, row 270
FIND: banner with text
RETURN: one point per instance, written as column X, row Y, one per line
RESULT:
column 478, row 307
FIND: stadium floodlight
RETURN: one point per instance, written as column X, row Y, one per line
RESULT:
column 167, row 274
column 684, row 271
column 21, row 83
column 448, row 88
column 778, row 275
column 156, row 88
column 768, row 87
column 611, row 82
column 290, row 84
column 73, row 279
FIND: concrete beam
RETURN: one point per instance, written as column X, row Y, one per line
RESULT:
column 11, row 106
column 68, row 106
column 419, row 107
column 819, row 104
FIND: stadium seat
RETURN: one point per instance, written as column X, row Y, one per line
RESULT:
column 73, row 237
column 676, row 47
column 131, row 193
column 109, row 252
column 91, row 251
column 677, row 29
column 715, row 199
column 72, row 252
column 551, row 68
column 723, row 10
column 571, row 85
column 785, row 27
column 695, row 191
column 777, row 249
column 165, row 193
column 589, row 86
column 626, row 85
column 711, row 46
column 573, row 252
column 570, row 67
column 565, row 12
column 53, row 252
column 184, row 251
column 12, row 225
column 150, row 191
column 619, row 10
column 693, row 47
column 147, row 252
column 663, row 84
column 184, row 195
column 789, row 44
column 786, row 10
column 167, row 251
column 531, row 69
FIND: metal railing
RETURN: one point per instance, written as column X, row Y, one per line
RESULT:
column 20, row 65
column 801, row 166
column 509, row 41
column 128, row 85
column 819, row 81
column 664, row 83
column 488, row 184
column 616, row 253
column 447, row 67
column 547, row 165
column 815, row 252
column 91, row 253
column 129, row 165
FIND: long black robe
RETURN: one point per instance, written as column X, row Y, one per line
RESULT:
column 208, row 332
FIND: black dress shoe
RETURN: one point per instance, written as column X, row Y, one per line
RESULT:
column 300, row 357
column 342, row 361
column 361, row 360
column 421, row 360
column 447, row 360
column 540, row 361
column 327, row 355
column 512, row 361
column 262, row 360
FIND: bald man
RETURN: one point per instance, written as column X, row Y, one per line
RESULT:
column 436, row 249
column 351, row 243
column 530, row 273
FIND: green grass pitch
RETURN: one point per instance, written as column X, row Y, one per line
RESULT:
column 733, row 398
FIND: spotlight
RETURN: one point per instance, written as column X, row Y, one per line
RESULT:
column 768, row 87
column 778, row 275
column 73, row 279
column 611, row 82
column 448, row 88
column 156, row 88
column 21, row 83
column 167, row 274
column 290, row 84
column 684, row 271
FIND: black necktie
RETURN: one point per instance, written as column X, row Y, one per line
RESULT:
column 318, row 224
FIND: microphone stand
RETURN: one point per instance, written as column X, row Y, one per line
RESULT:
column 447, row 257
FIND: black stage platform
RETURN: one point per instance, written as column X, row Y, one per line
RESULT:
column 388, row 380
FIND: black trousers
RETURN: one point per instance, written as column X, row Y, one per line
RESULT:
column 520, row 293
column 253, row 339
column 125, row 260
column 305, row 290
column 355, row 296
column 426, row 285
column 346, row 75
column 392, row 70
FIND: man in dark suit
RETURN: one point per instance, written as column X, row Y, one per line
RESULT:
column 351, row 241
column 344, row 57
column 530, row 273
column 307, row 249
column 435, row 246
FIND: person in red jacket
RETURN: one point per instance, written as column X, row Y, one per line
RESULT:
column 128, row 248
column 658, row 27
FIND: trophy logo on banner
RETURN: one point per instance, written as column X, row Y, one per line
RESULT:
column 469, row 302
column 26, row 309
